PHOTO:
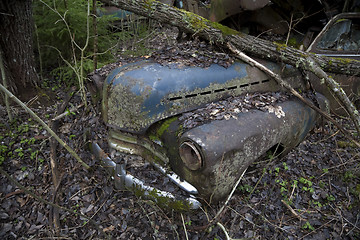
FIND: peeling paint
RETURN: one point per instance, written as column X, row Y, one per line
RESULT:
column 143, row 93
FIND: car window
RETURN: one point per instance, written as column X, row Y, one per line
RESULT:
column 344, row 35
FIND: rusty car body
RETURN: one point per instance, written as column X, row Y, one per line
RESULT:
column 146, row 104
column 150, row 109
column 340, row 38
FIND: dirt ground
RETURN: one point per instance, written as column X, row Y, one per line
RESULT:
column 311, row 193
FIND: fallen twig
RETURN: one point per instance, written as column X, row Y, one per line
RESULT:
column 71, row 110
column 293, row 211
column 229, row 197
column 183, row 222
column 224, row 230
column 223, row 206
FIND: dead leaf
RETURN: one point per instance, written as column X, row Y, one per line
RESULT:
column 109, row 229
column 21, row 201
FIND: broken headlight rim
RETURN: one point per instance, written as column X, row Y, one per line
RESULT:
column 191, row 155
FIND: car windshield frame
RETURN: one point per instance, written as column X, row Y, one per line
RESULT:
column 334, row 38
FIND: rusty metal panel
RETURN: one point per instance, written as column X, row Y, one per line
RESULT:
column 221, row 9
column 140, row 94
column 213, row 155
column 228, row 147
column 340, row 38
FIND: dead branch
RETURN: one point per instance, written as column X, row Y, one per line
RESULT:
column 286, row 85
column 293, row 211
column 54, row 163
column 71, row 110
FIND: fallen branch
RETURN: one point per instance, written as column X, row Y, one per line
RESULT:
column 71, row 110
column 224, row 230
column 51, row 132
column 54, row 163
column 219, row 34
column 286, row 85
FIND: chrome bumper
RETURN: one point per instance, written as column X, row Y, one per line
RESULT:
column 124, row 180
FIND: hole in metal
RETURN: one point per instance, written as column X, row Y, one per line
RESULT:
column 219, row 90
column 190, row 155
column 190, row 95
column 175, row 98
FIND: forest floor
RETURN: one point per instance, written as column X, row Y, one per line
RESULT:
column 311, row 193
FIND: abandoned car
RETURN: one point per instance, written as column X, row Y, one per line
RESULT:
column 202, row 127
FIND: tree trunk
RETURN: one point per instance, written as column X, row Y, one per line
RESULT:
column 16, row 43
column 219, row 34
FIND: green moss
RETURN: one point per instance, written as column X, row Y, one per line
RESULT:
column 153, row 137
column 343, row 144
column 292, row 42
column 344, row 61
column 280, row 46
column 162, row 201
column 164, row 126
column 224, row 29
column 198, row 23
column 148, row 4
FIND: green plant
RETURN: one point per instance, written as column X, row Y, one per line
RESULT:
column 23, row 128
column 330, row 198
column 3, row 152
column 20, row 152
column 277, row 170
column 68, row 112
column 34, row 154
column 41, row 160
column 64, row 38
column 317, row 203
column 308, row 226
column 246, row 188
column 285, row 166
column 348, row 176
column 307, row 185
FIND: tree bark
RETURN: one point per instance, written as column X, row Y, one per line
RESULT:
column 219, row 34
column 16, row 42
column 256, row 47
